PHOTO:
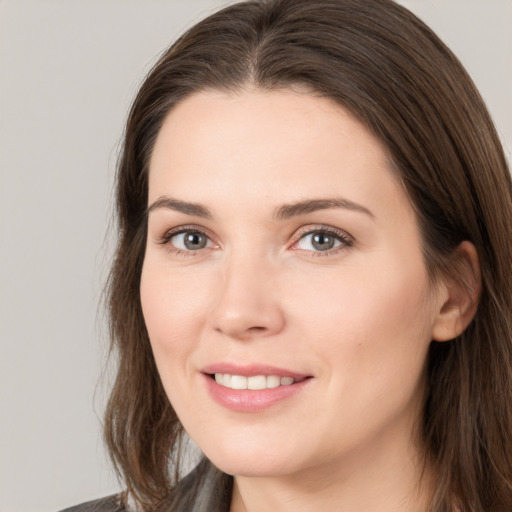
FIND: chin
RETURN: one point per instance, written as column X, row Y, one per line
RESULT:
column 250, row 459
column 251, row 467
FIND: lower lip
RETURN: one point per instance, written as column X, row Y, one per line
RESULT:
column 248, row 400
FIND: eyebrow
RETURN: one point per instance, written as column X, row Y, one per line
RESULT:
column 195, row 209
column 312, row 205
column 284, row 212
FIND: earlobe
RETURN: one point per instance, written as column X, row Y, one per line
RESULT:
column 459, row 294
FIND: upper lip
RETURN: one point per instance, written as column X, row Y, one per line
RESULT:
column 250, row 370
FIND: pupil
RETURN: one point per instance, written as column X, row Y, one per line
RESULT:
column 323, row 242
column 195, row 241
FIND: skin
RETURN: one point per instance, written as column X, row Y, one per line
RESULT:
column 358, row 318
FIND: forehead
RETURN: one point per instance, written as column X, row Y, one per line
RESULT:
column 271, row 144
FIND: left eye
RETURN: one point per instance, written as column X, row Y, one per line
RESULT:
column 189, row 240
column 319, row 241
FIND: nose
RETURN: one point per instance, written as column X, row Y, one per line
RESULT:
column 248, row 301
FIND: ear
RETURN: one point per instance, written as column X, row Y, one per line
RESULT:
column 458, row 294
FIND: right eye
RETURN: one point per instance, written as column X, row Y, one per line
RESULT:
column 184, row 242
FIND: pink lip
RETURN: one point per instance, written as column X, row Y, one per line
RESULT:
column 246, row 400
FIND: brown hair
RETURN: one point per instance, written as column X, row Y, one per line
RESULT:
column 393, row 73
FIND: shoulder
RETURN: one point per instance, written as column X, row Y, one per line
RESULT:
column 113, row 503
column 204, row 489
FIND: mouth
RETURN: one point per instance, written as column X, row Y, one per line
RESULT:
column 254, row 382
column 252, row 388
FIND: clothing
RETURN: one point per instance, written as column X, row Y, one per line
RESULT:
column 204, row 489
column 109, row 504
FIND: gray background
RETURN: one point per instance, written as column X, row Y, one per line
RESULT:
column 68, row 71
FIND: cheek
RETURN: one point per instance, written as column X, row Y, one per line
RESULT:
column 171, row 303
column 369, row 299
column 369, row 333
column 373, row 327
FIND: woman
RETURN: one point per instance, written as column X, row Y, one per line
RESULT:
column 313, row 273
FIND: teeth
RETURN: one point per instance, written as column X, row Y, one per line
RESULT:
column 273, row 381
column 238, row 382
column 255, row 382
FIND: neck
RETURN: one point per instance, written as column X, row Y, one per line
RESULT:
column 393, row 479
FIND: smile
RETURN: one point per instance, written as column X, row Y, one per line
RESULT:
column 252, row 388
column 255, row 382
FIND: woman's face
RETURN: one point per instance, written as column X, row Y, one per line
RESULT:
column 283, row 255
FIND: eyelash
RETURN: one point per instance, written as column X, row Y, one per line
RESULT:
column 341, row 236
column 166, row 239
